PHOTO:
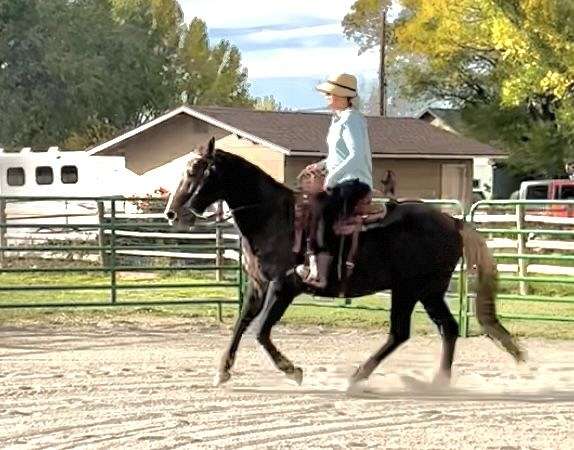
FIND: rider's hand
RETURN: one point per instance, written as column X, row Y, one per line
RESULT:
column 312, row 168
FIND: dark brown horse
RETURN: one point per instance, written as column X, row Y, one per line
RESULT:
column 414, row 256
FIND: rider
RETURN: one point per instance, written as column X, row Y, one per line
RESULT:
column 349, row 173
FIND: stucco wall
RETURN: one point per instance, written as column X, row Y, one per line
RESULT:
column 416, row 178
column 270, row 160
column 165, row 142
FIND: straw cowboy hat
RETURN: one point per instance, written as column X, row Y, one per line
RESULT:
column 342, row 85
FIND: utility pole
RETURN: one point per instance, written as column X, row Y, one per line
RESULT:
column 382, row 76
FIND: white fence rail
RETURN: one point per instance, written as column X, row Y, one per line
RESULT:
column 532, row 244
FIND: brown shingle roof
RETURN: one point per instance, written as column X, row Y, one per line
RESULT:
column 306, row 132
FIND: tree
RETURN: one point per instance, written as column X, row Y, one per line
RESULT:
column 397, row 105
column 163, row 17
column 364, row 25
column 73, row 73
column 57, row 79
column 507, row 63
column 268, row 103
column 211, row 75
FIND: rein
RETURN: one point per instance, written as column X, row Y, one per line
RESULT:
column 229, row 215
column 252, row 206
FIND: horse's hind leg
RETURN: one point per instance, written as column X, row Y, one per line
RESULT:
column 439, row 313
column 402, row 305
column 278, row 300
column 251, row 308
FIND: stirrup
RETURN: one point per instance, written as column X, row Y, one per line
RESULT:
column 349, row 266
column 303, row 271
column 316, row 283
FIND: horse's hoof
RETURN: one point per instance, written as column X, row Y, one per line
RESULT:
column 520, row 357
column 296, row 375
column 221, row 378
column 356, row 385
column 441, row 379
column 357, row 377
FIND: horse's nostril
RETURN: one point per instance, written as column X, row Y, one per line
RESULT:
column 171, row 215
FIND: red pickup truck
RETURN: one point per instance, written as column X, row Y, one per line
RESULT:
column 550, row 190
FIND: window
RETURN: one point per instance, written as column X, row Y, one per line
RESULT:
column 69, row 174
column 535, row 192
column 566, row 193
column 16, row 176
column 44, row 175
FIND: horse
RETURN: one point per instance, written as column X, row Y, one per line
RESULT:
column 389, row 183
column 414, row 256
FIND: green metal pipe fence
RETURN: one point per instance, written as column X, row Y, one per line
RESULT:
column 113, row 254
column 118, row 244
column 517, row 289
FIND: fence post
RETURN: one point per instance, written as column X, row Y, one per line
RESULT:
column 3, row 229
column 101, row 234
column 218, row 241
column 113, row 285
column 463, row 305
column 240, row 275
column 521, row 238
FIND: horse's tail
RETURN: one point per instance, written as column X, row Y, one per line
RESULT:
column 478, row 257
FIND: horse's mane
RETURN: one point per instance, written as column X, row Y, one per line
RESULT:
column 241, row 165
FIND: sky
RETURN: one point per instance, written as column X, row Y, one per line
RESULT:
column 287, row 46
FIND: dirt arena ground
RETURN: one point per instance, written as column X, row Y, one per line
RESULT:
column 150, row 386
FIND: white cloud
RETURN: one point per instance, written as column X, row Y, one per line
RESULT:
column 269, row 36
column 253, row 13
column 305, row 20
column 310, row 62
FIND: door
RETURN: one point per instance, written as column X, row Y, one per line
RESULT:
column 453, row 182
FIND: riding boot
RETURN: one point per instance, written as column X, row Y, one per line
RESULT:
column 319, row 270
column 304, row 271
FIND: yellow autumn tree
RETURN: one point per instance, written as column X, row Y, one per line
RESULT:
column 528, row 42
column 509, row 64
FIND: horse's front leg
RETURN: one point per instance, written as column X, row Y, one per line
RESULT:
column 253, row 303
column 279, row 296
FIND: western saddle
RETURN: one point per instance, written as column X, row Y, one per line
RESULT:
column 366, row 212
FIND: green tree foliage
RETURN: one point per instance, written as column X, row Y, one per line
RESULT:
column 211, row 75
column 509, row 64
column 364, row 21
column 74, row 73
column 268, row 103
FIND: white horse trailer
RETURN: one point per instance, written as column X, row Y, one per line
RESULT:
column 55, row 173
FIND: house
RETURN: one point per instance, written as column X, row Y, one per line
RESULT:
column 428, row 162
column 484, row 168
column 446, row 118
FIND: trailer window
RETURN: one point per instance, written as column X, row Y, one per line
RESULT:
column 537, row 192
column 44, row 175
column 69, row 174
column 566, row 193
column 16, row 176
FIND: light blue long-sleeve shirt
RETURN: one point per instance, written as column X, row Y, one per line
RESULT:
column 349, row 154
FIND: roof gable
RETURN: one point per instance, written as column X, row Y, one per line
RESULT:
column 298, row 132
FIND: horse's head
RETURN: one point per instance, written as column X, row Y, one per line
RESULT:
column 198, row 188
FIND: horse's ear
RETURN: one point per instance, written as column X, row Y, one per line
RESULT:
column 210, row 149
column 207, row 151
